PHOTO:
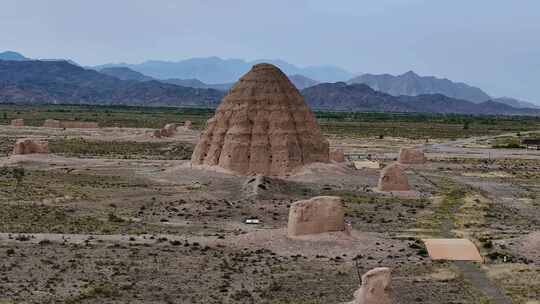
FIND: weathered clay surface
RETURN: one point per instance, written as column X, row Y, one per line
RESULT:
column 317, row 215
column 30, row 146
column 52, row 123
column 393, row 179
column 17, row 122
column 376, row 287
column 411, row 156
column 337, row 156
column 187, row 124
column 262, row 126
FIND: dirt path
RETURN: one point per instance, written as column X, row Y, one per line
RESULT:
column 455, row 149
column 471, row 272
column 478, row 278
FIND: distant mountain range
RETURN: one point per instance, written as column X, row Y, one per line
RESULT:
column 516, row 103
column 301, row 82
column 14, row 56
column 62, row 82
column 196, row 83
column 412, row 84
column 125, row 73
column 9, row 55
column 360, row 97
column 216, row 70
column 217, row 73
column 23, row 80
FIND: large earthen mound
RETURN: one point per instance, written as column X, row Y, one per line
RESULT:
column 393, row 179
column 262, row 126
column 30, row 146
column 411, row 156
column 317, row 215
column 17, row 122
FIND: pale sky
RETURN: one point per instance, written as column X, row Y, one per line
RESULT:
column 492, row 44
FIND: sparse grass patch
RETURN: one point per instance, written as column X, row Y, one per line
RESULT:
column 104, row 290
column 349, row 124
column 520, row 281
column 80, row 147
column 507, row 143
column 440, row 217
column 38, row 185
column 33, row 218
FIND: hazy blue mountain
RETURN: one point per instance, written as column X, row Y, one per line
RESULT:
column 124, row 73
column 15, row 56
column 212, row 70
column 9, row 55
column 196, row 83
column 516, row 103
column 58, row 81
column 412, row 84
column 340, row 96
column 61, row 82
column 360, row 97
column 301, row 82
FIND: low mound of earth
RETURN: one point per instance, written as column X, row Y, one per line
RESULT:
column 331, row 244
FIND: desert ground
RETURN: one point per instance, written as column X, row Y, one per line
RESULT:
column 114, row 215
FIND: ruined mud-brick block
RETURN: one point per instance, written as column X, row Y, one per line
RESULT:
column 263, row 126
column 317, row 215
column 376, row 288
column 337, row 156
column 452, row 249
column 411, row 156
column 52, row 123
column 17, row 122
column 79, row 125
column 188, row 124
column 169, row 130
column 157, row 133
column 30, row 146
column 393, row 179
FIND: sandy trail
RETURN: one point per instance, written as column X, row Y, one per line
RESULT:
column 458, row 148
